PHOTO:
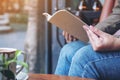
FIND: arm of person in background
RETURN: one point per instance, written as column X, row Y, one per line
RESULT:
column 107, row 9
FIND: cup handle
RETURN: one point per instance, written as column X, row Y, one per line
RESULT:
column 21, row 68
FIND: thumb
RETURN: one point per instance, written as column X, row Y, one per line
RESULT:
column 63, row 33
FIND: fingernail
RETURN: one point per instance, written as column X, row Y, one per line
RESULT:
column 90, row 26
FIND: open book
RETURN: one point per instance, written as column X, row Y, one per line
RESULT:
column 69, row 23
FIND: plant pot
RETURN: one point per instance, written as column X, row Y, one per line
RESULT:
column 7, row 75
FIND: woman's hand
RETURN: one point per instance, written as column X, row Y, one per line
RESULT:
column 68, row 37
column 102, row 41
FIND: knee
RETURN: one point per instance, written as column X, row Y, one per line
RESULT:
column 70, row 49
column 83, row 55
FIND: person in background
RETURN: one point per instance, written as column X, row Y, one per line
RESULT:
column 100, row 59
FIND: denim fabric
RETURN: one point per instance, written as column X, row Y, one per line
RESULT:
column 65, row 58
column 79, row 59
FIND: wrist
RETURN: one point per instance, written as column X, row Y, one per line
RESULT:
column 116, row 45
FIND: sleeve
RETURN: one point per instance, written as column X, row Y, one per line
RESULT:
column 112, row 23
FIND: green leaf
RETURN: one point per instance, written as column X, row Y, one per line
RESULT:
column 3, row 58
column 17, row 53
column 23, row 64
column 4, row 61
column 10, row 61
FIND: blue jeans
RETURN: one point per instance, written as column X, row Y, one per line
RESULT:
column 79, row 59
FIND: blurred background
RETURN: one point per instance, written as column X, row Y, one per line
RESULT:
column 23, row 26
column 13, row 23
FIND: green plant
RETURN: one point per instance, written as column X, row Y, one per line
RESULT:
column 4, row 64
column 9, row 61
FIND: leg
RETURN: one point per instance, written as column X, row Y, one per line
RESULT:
column 98, row 65
column 66, row 55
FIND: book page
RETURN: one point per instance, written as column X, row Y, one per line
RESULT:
column 69, row 23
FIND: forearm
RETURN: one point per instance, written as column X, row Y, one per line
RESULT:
column 107, row 9
column 116, row 45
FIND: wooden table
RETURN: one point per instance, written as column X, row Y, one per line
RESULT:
column 53, row 77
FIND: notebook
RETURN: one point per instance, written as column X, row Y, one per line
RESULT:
column 68, row 22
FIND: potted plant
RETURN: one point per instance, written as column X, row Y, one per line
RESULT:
column 5, row 62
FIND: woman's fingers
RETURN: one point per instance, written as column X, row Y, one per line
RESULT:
column 92, row 36
column 86, row 27
column 68, row 37
column 98, row 32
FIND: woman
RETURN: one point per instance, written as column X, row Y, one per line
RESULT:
column 100, row 59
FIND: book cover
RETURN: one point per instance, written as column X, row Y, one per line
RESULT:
column 69, row 23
